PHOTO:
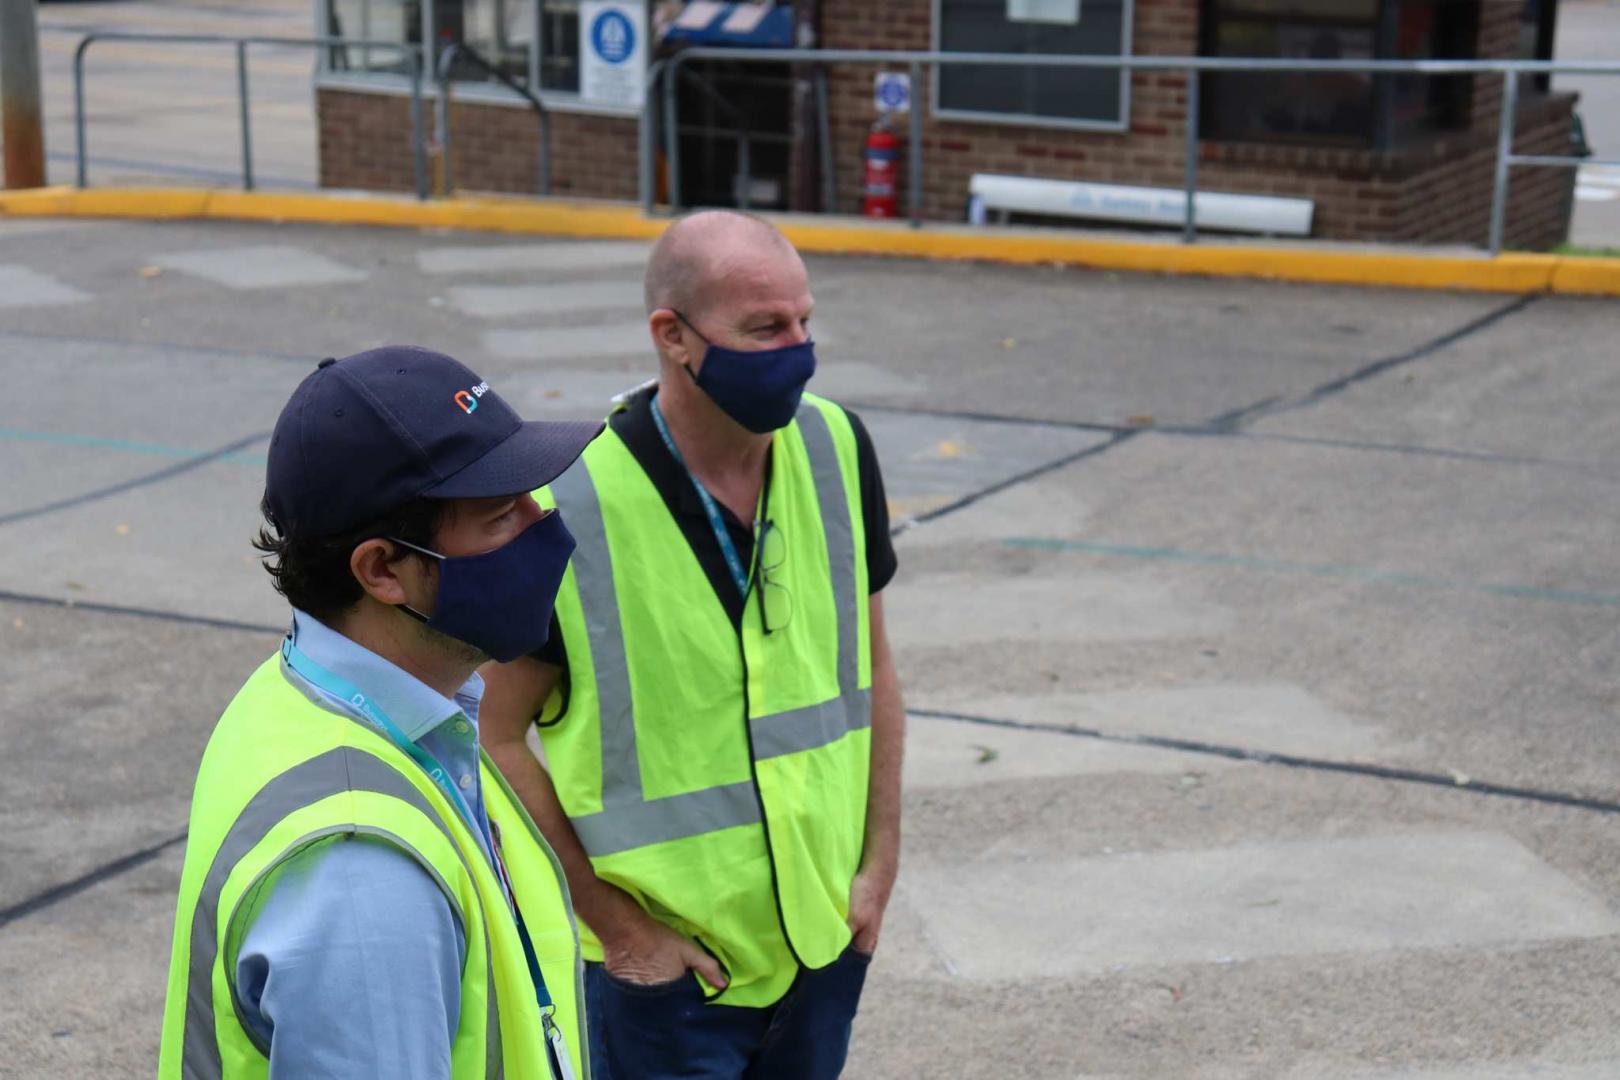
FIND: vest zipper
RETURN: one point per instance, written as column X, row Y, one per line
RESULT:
column 753, row 775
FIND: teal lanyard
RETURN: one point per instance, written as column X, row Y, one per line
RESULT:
column 347, row 692
column 716, row 522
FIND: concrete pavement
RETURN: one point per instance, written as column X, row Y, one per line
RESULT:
column 1259, row 637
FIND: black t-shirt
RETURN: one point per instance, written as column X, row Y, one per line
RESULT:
column 634, row 424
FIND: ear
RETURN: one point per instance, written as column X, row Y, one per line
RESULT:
column 669, row 338
column 381, row 574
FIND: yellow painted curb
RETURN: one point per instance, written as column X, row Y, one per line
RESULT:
column 1511, row 273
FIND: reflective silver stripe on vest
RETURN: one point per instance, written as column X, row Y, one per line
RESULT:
column 593, row 571
column 694, row 813
column 834, row 501
column 337, row 770
column 826, row 722
column 812, row 726
column 626, row 821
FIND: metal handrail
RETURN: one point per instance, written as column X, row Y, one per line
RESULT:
column 412, row 61
column 442, row 72
column 1190, row 66
column 646, row 141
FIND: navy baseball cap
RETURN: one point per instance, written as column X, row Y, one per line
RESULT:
column 364, row 435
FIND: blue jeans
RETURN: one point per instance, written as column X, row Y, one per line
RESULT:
column 667, row 1031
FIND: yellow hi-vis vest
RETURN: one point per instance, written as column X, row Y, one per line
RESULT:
column 719, row 777
column 281, row 773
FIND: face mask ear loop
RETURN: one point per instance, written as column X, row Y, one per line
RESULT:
column 406, row 608
column 413, row 547
column 690, row 374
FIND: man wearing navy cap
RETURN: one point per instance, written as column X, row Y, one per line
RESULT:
column 362, row 894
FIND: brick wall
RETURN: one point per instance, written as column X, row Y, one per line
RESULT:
column 1436, row 192
column 1439, row 193
column 365, row 143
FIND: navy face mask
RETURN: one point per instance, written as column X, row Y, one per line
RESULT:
column 500, row 602
column 760, row 390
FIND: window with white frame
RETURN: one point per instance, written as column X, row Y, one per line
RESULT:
column 532, row 42
column 1050, row 96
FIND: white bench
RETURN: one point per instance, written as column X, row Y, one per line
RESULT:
column 1266, row 214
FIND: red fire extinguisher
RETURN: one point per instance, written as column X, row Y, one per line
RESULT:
column 882, row 162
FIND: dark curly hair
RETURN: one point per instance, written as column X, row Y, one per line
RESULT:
column 313, row 572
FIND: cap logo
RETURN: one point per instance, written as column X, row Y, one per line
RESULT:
column 468, row 399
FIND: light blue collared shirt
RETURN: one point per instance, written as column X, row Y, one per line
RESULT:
column 350, row 965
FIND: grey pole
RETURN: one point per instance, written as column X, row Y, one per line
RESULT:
column 1189, row 228
column 829, row 162
column 21, row 129
column 545, row 153
column 242, row 104
column 672, row 136
column 418, row 134
column 914, row 151
column 82, row 167
column 1504, row 154
column 745, row 167
column 646, row 178
column 447, row 179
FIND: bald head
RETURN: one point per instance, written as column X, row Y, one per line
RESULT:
column 703, row 255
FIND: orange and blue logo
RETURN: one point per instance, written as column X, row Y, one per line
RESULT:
column 468, row 399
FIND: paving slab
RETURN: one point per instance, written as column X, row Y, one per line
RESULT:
column 554, row 257
column 501, row 301
column 44, row 469
column 950, row 754
column 1511, row 390
column 1266, row 717
column 1529, row 1070
column 270, row 266
column 153, row 402
column 111, row 714
column 125, row 549
column 1459, row 606
column 1068, row 345
column 21, row 286
column 1014, row 919
column 563, row 345
column 82, row 983
column 1403, row 1006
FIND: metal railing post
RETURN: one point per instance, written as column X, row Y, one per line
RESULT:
column 745, row 166
column 242, row 104
column 544, row 162
column 83, row 168
column 1504, row 155
column 672, row 134
column 1189, row 227
column 829, row 162
column 457, row 49
column 441, row 130
column 914, row 151
column 646, row 172
column 418, row 128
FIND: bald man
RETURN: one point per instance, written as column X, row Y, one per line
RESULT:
column 719, row 714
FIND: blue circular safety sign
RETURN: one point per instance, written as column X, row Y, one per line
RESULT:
column 893, row 91
column 613, row 37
